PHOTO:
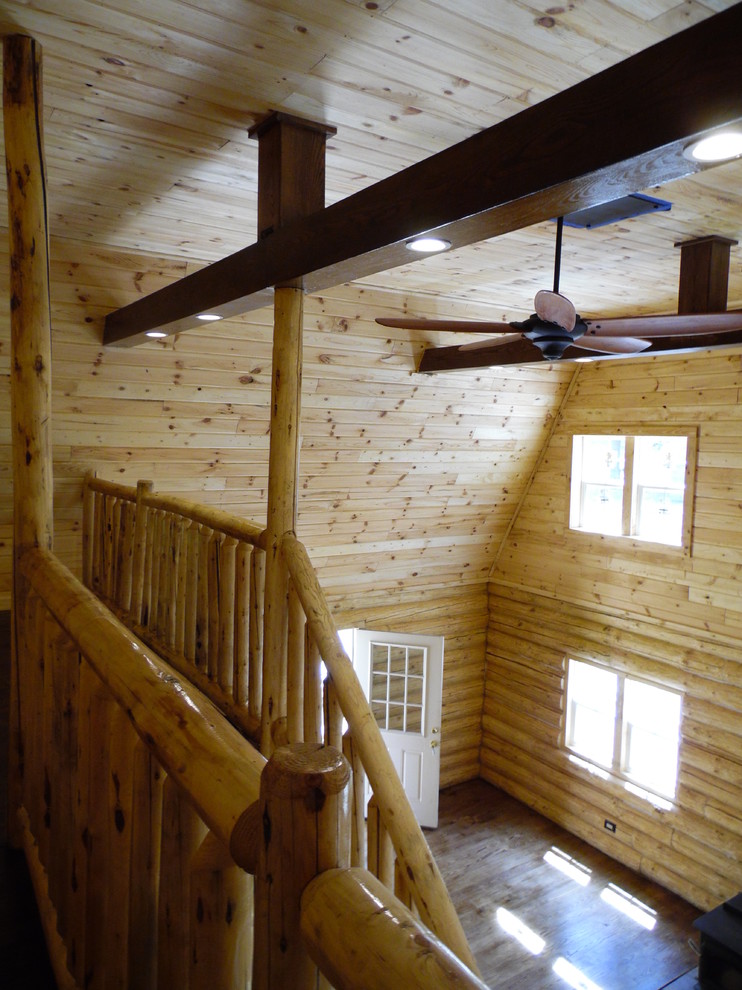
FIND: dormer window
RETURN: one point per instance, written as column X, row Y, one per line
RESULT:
column 634, row 486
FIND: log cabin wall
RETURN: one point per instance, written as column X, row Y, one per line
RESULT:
column 407, row 483
column 672, row 618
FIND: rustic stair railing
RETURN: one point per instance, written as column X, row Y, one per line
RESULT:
column 188, row 580
column 144, row 812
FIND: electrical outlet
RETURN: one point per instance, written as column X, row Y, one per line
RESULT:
column 609, row 826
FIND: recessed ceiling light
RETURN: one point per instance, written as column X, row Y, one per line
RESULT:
column 428, row 245
column 717, row 147
column 208, row 317
column 155, row 333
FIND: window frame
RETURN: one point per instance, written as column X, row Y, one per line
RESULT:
column 617, row 768
column 627, row 539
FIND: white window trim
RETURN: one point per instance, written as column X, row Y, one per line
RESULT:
column 615, row 771
column 627, row 540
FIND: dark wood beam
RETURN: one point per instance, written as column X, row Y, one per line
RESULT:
column 617, row 132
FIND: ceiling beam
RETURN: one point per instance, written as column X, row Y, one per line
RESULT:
column 615, row 133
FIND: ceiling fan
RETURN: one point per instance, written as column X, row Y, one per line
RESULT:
column 555, row 332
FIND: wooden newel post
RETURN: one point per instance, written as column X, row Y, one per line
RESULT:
column 304, row 806
column 30, row 345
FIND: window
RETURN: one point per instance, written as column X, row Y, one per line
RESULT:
column 625, row 725
column 632, row 486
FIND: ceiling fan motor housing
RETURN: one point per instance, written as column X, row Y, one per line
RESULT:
column 551, row 339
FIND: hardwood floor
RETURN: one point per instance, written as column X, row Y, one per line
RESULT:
column 491, row 851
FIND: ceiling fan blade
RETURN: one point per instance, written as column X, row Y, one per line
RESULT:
column 488, row 353
column 553, row 308
column 612, row 345
column 665, row 326
column 477, row 345
column 449, row 326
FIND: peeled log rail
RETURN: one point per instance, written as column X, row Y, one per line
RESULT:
column 385, row 947
column 426, row 884
column 218, row 769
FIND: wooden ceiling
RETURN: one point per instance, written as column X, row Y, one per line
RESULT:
column 148, row 106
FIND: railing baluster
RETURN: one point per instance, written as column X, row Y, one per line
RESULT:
column 165, row 577
column 182, row 833
column 333, row 714
column 99, row 541
column 221, row 902
column 141, row 572
column 313, row 690
column 126, row 555
column 88, row 532
column 255, row 660
column 146, row 831
column 181, row 586
column 241, row 685
column 295, row 669
column 358, row 839
column 120, row 789
column 380, row 848
column 189, row 637
column 158, row 522
column 202, row 622
column 109, row 546
column 227, row 582
column 213, row 617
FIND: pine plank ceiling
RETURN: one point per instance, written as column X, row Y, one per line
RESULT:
column 148, row 104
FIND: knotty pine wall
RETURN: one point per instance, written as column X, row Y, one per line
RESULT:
column 673, row 619
column 407, row 483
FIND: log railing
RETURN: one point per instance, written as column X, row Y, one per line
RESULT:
column 136, row 798
column 188, row 580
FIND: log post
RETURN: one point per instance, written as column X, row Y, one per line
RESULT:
column 295, row 669
column 304, row 809
column 291, row 184
column 30, row 345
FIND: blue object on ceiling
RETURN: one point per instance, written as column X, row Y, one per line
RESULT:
column 624, row 208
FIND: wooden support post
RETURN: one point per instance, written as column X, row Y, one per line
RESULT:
column 304, row 808
column 704, row 274
column 30, row 345
column 291, row 184
column 202, row 599
column 282, row 493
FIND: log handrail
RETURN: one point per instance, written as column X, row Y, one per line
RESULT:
column 205, row 515
column 211, row 761
column 386, row 946
column 426, row 883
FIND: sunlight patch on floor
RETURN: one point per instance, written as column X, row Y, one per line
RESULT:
column 568, row 866
column 633, row 908
column 514, row 927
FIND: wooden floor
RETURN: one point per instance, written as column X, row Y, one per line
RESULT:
column 491, row 851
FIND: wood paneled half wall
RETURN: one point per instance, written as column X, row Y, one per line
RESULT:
column 672, row 618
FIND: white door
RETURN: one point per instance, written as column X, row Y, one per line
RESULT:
column 402, row 676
